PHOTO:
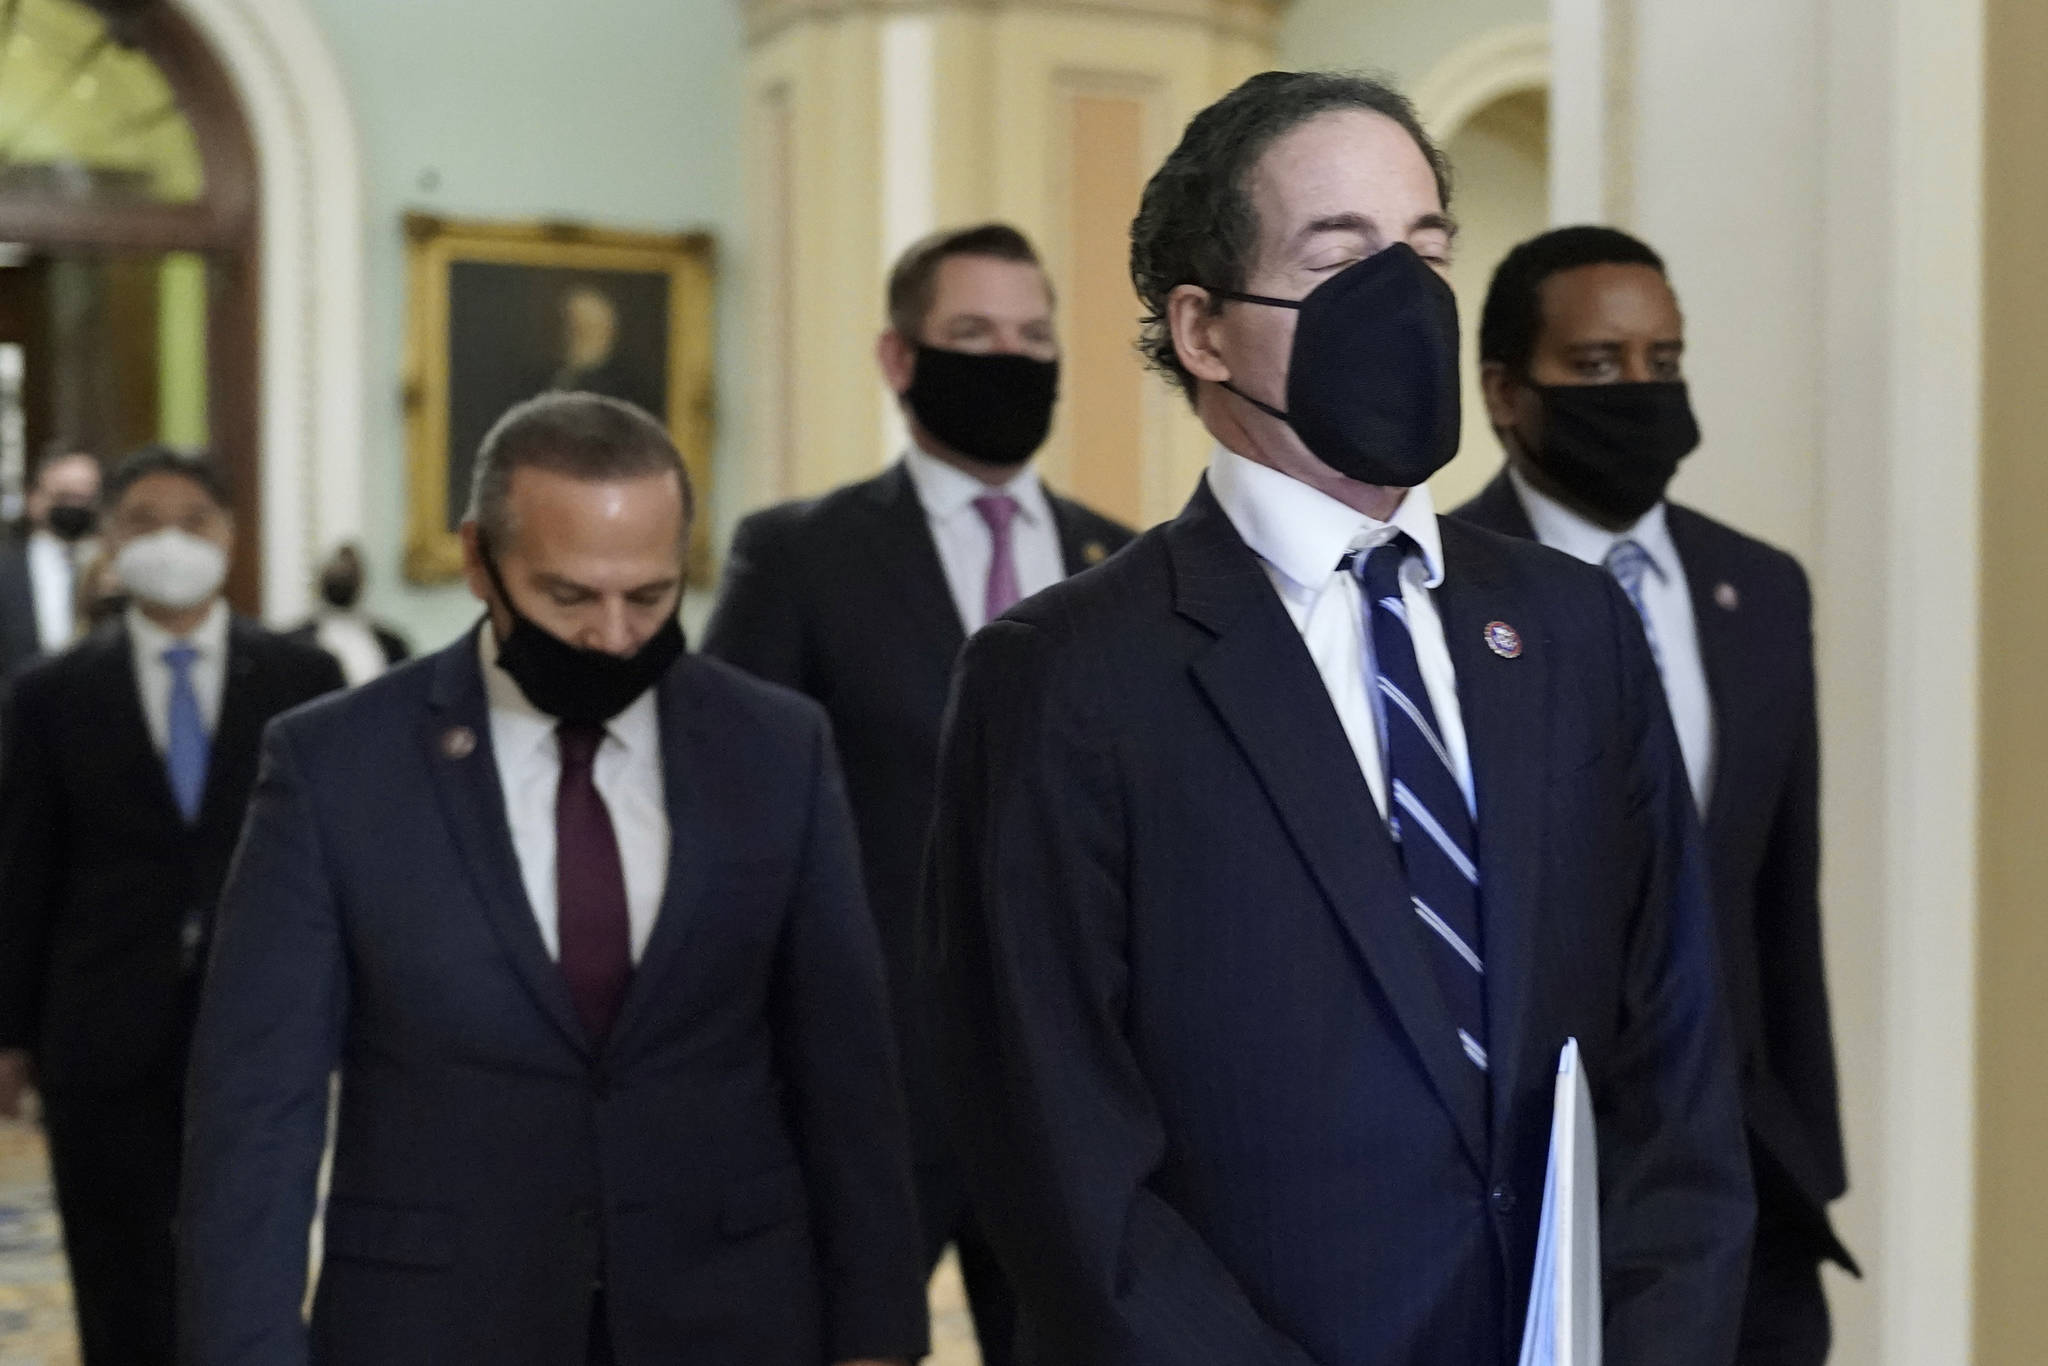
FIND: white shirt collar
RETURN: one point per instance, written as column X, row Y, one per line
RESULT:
column 209, row 638
column 637, row 728
column 1560, row 528
column 946, row 492
column 1303, row 532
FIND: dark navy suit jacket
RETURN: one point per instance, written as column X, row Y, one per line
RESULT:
column 844, row 598
column 1762, row 820
column 731, row 1166
column 107, row 893
column 1212, row 1104
column 20, row 640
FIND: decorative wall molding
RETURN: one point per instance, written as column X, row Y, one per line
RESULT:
column 1496, row 64
column 1593, row 114
column 1257, row 20
column 312, row 354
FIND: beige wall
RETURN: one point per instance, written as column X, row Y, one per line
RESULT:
column 1405, row 39
column 1503, row 188
column 2012, row 1197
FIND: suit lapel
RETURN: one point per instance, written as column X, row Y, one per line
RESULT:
column 128, row 726
column 907, row 561
column 1259, row 677
column 1720, row 650
column 687, row 768
column 1498, row 507
column 1502, row 701
column 456, row 737
column 1078, row 551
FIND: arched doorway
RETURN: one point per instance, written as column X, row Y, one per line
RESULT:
column 1488, row 105
column 128, row 246
column 1503, row 166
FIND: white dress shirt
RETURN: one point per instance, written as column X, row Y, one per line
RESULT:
column 629, row 775
column 53, row 576
column 350, row 638
column 1300, row 534
column 209, row 669
column 1667, row 602
column 966, row 546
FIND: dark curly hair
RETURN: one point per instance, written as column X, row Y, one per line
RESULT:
column 1196, row 224
column 1513, row 315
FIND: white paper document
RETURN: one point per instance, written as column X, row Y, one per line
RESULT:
column 1563, row 1327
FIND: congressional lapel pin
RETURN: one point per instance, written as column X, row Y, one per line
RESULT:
column 1726, row 598
column 1504, row 640
column 458, row 742
column 1095, row 552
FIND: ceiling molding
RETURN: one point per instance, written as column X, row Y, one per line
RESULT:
column 1255, row 19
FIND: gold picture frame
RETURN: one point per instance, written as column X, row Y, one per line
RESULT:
column 497, row 312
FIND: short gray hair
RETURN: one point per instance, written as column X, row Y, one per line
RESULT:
column 584, row 436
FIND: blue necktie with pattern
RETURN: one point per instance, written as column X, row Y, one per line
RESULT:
column 188, row 749
column 1426, row 811
column 1628, row 562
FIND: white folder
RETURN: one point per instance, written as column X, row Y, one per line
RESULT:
column 1563, row 1326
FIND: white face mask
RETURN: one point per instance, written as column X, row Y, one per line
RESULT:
column 172, row 568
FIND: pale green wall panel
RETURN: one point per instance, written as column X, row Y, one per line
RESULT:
column 181, row 350
column 619, row 113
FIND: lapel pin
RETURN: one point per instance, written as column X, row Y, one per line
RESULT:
column 1094, row 552
column 1504, row 640
column 458, row 742
column 1726, row 598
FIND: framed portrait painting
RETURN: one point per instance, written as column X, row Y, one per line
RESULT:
column 501, row 312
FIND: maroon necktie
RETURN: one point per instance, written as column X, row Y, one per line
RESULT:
column 999, row 510
column 590, row 887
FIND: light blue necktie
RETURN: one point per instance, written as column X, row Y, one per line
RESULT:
column 187, row 748
column 1629, row 563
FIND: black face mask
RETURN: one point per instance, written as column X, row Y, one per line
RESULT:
column 995, row 409
column 341, row 589
column 1612, row 448
column 1372, row 382
column 72, row 521
column 569, row 683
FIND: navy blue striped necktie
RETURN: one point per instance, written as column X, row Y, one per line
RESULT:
column 1426, row 811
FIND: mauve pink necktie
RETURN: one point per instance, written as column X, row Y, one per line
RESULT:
column 590, row 887
column 999, row 510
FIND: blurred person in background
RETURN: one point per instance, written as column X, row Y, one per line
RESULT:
column 102, row 597
column 363, row 646
column 129, row 762
column 39, row 568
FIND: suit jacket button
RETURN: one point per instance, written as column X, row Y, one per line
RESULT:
column 1503, row 1200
